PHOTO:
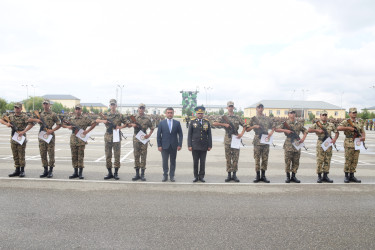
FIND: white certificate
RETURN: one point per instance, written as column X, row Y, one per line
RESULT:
column 326, row 144
column 20, row 139
column 141, row 137
column 81, row 136
column 45, row 137
column 298, row 145
column 266, row 140
column 116, row 135
column 236, row 143
column 358, row 144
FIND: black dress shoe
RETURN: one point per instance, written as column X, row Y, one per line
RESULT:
column 172, row 179
column 202, row 179
column 195, row 179
column 165, row 178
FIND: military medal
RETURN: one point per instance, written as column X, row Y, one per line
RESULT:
column 205, row 126
column 195, row 125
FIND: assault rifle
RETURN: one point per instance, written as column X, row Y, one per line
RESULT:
column 232, row 129
column 263, row 131
column 357, row 134
column 326, row 135
column 75, row 128
column 43, row 125
column 293, row 136
column 138, row 126
column 14, row 127
column 112, row 125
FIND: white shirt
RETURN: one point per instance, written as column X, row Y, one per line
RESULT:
column 170, row 121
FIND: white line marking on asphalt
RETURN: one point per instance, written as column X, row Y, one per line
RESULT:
column 123, row 158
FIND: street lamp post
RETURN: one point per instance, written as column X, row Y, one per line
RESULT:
column 27, row 93
column 303, row 98
column 206, row 89
column 33, row 96
column 121, row 87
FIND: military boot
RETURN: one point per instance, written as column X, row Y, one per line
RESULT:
column 80, row 173
column 45, row 173
column 319, row 178
column 22, row 172
column 234, row 177
column 346, row 180
column 50, row 174
column 115, row 175
column 229, row 177
column 15, row 173
column 109, row 175
column 257, row 178
column 326, row 178
column 143, row 174
column 294, row 178
column 136, row 177
column 75, row 174
column 351, row 178
column 264, row 178
column 287, row 180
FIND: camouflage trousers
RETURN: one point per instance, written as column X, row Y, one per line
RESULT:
column 49, row 148
column 231, row 155
column 292, row 161
column 18, row 154
column 78, row 153
column 351, row 160
column 323, row 159
column 140, row 154
column 261, row 152
column 116, row 146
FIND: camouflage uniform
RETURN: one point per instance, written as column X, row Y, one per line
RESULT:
column 18, row 151
column 323, row 158
column 367, row 123
column 232, row 154
column 291, row 154
column 117, row 119
column 371, row 124
column 140, row 149
column 261, row 151
column 351, row 155
column 50, row 118
column 77, row 146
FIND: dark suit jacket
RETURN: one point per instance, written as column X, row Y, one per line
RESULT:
column 166, row 138
column 199, row 136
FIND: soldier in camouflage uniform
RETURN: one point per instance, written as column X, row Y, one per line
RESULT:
column 231, row 154
column 371, row 124
column 77, row 146
column 323, row 158
column 140, row 149
column 291, row 154
column 21, row 121
column 367, row 123
column 50, row 118
column 351, row 155
column 261, row 123
column 115, row 119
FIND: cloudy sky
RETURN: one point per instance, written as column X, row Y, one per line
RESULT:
column 243, row 51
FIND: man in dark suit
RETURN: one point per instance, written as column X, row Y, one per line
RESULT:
column 169, row 143
column 199, row 142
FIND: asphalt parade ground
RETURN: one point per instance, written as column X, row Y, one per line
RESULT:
column 60, row 213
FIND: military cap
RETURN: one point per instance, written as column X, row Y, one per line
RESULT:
column 259, row 105
column 324, row 112
column 200, row 109
column 46, row 101
column 141, row 105
column 18, row 105
column 78, row 106
column 351, row 110
column 230, row 103
column 113, row 101
column 291, row 111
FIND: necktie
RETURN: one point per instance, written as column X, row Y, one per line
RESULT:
column 169, row 125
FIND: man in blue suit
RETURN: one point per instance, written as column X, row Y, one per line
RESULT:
column 169, row 143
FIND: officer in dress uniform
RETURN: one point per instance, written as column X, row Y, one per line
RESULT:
column 199, row 142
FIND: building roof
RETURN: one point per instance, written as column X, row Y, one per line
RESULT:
column 287, row 104
column 169, row 105
column 92, row 104
column 371, row 108
column 60, row 97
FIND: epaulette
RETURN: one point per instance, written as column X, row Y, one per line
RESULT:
column 192, row 119
column 206, row 119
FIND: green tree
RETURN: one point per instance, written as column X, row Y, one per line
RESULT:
column 311, row 116
column 365, row 114
column 10, row 106
column 3, row 105
column 221, row 111
column 36, row 101
column 85, row 110
column 57, row 107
